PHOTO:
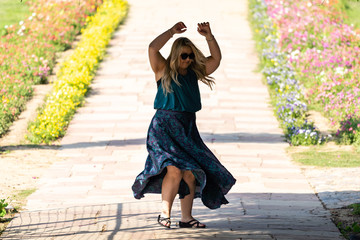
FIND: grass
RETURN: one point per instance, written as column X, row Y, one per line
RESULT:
column 323, row 156
column 13, row 11
column 20, row 201
column 352, row 9
column 21, row 197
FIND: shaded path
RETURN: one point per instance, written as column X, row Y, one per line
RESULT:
column 88, row 195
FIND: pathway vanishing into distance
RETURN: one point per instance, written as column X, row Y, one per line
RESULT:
column 88, row 195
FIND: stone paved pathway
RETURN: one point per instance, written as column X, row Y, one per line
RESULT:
column 88, row 195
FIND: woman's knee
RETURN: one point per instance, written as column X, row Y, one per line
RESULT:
column 174, row 172
column 188, row 177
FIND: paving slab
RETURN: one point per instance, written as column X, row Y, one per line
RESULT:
column 88, row 195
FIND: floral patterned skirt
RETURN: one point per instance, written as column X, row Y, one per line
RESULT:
column 173, row 139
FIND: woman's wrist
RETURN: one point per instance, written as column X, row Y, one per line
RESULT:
column 210, row 38
column 171, row 34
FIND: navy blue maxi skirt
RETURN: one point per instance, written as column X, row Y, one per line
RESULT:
column 173, row 139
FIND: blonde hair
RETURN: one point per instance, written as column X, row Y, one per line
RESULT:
column 172, row 65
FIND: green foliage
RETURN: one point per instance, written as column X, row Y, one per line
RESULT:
column 348, row 132
column 347, row 230
column 3, row 205
column 305, row 134
column 356, row 208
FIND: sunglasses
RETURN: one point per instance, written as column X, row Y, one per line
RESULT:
column 184, row 56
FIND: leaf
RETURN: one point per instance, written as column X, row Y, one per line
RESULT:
column 2, row 212
column 356, row 228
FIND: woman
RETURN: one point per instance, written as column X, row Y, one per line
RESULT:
column 178, row 160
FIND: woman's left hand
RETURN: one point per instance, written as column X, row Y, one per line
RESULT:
column 204, row 29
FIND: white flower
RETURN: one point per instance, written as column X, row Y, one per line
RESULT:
column 30, row 18
column 21, row 22
column 340, row 70
column 34, row 14
column 309, row 4
column 295, row 54
column 321, row 76
column 6, row 26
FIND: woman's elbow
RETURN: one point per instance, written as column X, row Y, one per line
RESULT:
column 218, row 59
column 153, row 47
column 219, row 56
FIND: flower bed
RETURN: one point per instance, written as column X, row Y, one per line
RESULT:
column 27, row 50
column 325, row 54
column 76, row 73
column 285, row 90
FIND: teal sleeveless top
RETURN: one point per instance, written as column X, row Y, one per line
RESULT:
column 184, row 98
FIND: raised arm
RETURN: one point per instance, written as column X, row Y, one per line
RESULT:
column 213, row 61
column 157, row 61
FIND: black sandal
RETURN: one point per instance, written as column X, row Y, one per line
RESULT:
column 167, row 221
column 191, row 224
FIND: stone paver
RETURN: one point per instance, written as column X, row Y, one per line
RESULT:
column 88, row 195
column 336, row 187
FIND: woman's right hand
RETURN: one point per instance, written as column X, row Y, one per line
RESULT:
column 178, row 28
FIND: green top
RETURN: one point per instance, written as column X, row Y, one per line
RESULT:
column 184, row 98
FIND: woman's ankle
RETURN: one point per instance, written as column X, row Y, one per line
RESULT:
column 186, row 218
column 165, row 214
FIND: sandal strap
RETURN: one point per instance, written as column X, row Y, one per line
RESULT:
column 193, row 222
column 167, row 221
column 163, row 219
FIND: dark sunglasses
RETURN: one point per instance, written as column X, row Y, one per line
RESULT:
column 185, row 56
